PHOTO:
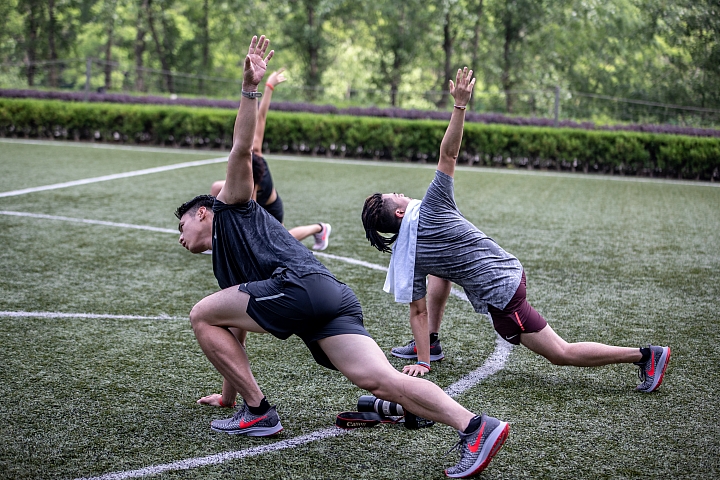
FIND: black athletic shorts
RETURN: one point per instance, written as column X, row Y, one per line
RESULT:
column 313, row 307
column 517, row 317
column 276, row 208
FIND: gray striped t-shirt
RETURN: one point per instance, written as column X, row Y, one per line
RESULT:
column 450, row 247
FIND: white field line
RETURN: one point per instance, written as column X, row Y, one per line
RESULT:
column 115, row 176
column 108, row 146
column 223, row 457
column 92, row 316
column 83, row 220
column 494, row 363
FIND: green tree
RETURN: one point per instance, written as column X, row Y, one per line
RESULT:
column 517, row 21
column 693, row 27
column 400, row 31
column 305, row 32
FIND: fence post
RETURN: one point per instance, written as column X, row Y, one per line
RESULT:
column 557, row 104
column 88, row 74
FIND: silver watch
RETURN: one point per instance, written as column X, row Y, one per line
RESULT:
column 251, row 95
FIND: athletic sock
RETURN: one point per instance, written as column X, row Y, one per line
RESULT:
column 473, row 425
column 434, row 337
column 645, row 352
column 260, row 409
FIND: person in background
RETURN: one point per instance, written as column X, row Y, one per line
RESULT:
column 265, row 194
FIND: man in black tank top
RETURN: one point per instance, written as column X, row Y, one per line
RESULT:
column 272, row 284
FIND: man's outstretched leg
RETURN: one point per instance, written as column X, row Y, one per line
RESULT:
column 210, row 319
column 652, row 360
column 480, row 436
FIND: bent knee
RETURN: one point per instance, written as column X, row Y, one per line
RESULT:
column 197, row 315
column 369, row 383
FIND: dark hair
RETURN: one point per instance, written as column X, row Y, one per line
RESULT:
column 258, row 168
column 378, row 215
column 193, row 205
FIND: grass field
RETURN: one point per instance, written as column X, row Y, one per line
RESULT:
column 99, row 369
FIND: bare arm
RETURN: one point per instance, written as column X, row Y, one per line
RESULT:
column 239, row 184
column 450, row 146
column 272, row 81
column 421, row 334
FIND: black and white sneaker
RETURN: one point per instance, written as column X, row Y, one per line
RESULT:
column 245, row 423
column 409, row 351
column 479, row 447
column 652, row 372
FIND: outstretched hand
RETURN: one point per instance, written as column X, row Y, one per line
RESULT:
column 214, row 400
column 415, row 370
column 255, row 64
column 276, row 78
column 462, row 89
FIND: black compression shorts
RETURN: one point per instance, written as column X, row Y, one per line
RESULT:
column 313, row 307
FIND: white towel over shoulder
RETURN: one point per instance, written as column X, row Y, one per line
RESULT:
column 401, row 271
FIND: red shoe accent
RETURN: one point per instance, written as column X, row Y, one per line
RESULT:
column 473, row 447
column 651, row 370
column 244, row 424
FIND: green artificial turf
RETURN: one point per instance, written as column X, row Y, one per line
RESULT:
column 608, row 259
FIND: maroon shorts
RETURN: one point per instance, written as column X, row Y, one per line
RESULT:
column 517, row 317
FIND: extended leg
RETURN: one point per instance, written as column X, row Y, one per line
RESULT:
column 304, row 231
column 368, row 368
column 581, row 354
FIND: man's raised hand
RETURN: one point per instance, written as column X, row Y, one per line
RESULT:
column 462, row 89
column 255, row 64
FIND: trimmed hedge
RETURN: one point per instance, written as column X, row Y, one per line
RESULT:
column 616, row 152
column 389, row 112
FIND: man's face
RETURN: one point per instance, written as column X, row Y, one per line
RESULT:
column 400, row 200
column 196, row 230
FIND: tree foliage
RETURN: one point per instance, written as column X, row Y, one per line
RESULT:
column 401, row 53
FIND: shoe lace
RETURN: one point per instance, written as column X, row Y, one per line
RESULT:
column 458, row 446
column 642, row 372
column 240, row 412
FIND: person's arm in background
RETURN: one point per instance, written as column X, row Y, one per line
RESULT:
column 275, row 79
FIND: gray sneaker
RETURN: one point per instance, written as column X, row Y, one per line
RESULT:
column 245, row 423
column 409, row 351
column 322, row 238
column 652, row 372
column 479, row 447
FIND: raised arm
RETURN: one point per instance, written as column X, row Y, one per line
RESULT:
column 239, row 184
column 273, row 80
column 461, row 91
